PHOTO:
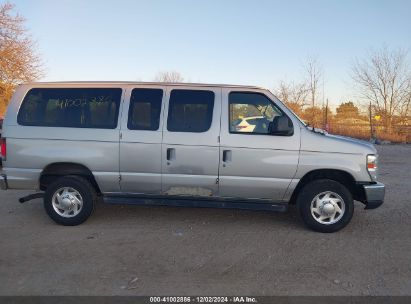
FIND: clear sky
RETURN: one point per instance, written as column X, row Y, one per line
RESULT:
column 225, row 41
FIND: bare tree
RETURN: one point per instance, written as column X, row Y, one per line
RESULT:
column 383, row 78
column 19, row 61
column 169, row 76
column 306, row 93
column 313, row 71
column 405, row 110
column 294, row 95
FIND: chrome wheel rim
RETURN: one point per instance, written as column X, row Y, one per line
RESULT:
column 327, row 208
column 67, row 202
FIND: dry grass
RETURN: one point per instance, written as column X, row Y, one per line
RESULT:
column 363, row 132
column 394, row 137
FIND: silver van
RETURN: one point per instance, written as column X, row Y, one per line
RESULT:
column 180, row 145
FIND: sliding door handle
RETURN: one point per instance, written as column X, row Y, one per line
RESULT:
column 171, row 153
column 226, row 156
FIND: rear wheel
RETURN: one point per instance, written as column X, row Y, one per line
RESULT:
column 325, row 205
column 70, row 200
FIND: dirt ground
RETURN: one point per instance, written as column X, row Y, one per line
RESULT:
column 133, row 250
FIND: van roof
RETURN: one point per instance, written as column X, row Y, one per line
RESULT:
column 145, row 83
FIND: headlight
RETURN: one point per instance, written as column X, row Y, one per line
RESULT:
column 372, row 161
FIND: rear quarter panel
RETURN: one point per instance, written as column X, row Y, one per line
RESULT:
column 31, row 149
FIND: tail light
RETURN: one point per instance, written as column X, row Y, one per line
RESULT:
column 3, row 148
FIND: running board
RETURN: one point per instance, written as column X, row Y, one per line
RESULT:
column 194, row 202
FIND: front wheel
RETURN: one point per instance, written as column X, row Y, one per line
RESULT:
column 70, row 200
column 325, row 205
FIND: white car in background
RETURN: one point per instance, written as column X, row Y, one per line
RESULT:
column 248, row 124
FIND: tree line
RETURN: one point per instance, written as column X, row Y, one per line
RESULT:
column 382, row 81
column 19, row 59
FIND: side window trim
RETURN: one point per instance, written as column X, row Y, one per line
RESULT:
column 171, row 105
column 117, row 114
column 160, row 110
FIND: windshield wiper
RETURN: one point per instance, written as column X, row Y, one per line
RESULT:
column 311, row 128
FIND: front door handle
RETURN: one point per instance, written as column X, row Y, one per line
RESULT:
column 226, row 156
column 171, row 154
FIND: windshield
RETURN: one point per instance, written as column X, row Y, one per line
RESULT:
column 298, row 117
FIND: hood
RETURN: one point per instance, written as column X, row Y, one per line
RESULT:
column 321, row 141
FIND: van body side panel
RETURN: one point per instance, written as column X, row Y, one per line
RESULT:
column 140, row 166
column 140, row 152
column 350, row 163
column 261, row 166
column 90, row 148
column 257, row 173
column 194, row 156
column 22, row 178
column 320, row 151
column 32, row 148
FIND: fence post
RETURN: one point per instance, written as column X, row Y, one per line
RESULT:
column 371, row 127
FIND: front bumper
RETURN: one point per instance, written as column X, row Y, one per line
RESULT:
column 3, row 182
column 374, row 195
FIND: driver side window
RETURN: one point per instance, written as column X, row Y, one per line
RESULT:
column 251, row 113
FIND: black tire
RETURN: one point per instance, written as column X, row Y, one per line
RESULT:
column 311, row 190
column 87, row 192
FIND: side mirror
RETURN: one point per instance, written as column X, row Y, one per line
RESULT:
column 281, row 126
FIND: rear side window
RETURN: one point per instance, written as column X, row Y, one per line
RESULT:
column 190, row 111
column 71, row 107
column 145, row 108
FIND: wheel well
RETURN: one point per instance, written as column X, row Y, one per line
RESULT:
column 340, row 176
column 55, row 170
